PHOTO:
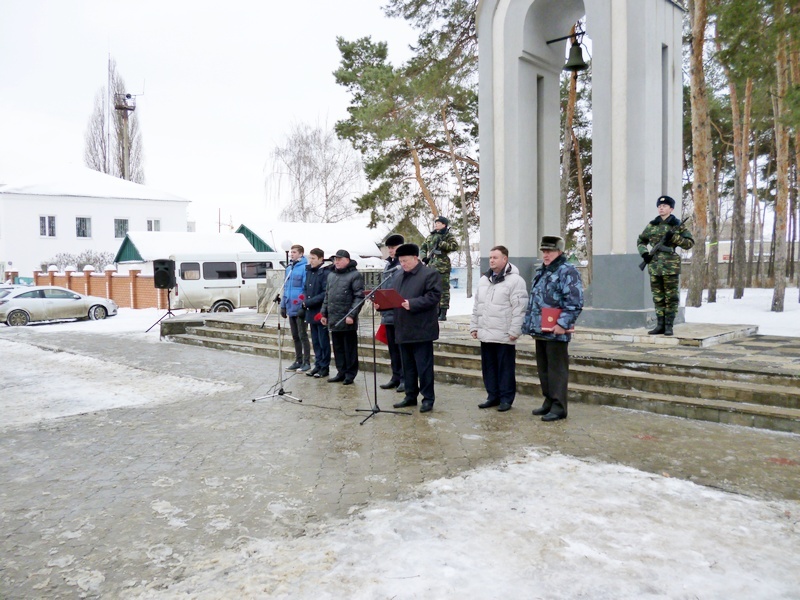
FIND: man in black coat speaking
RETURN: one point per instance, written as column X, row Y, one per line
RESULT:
column 416, row 325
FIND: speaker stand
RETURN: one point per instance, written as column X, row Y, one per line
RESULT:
column 169, row 312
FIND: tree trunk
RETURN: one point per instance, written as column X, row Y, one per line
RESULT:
column 701, row 151
column 420, row 180
column 713, row 237
column 587, row 226
column 782, row 172
column 566, row 151
column 463, row 196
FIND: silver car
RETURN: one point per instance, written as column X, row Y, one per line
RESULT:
column 21, row 305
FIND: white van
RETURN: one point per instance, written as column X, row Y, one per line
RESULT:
column 222, row 282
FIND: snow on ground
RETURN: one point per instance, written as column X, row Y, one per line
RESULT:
column 544, row 526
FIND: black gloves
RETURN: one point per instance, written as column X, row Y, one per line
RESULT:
column 425, row 260
column 647, row 257
column 283, row 313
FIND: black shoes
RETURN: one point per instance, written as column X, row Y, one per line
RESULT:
column 537, row 412
column 659, row 328
column 427, row 406
column 391, row 384
column 443, row 314
column 323, row 372
column 313, row 371
column 348, row 382
column 489, row 403
column 504, row 406
column 295, row 365
column 336, row 379
column 668, row 321
column 401, row 388
column 405, row 402
column 551, row 416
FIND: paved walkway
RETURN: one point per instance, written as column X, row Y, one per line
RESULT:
column 115, row 502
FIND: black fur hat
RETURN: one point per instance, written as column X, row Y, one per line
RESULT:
column 443, row 220
column 407, row 250
column 395, row 240
column 665, row 200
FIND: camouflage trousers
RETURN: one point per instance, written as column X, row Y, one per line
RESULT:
column 666, row 294
column 445, row 301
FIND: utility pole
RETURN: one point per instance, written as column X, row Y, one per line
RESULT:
column 127, row 104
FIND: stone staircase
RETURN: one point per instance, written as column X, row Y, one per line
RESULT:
column 731, row 396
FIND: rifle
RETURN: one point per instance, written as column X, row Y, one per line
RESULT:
column 647, row 258
column 434, row 250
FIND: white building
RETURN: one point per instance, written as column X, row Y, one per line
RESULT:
column 74, row 211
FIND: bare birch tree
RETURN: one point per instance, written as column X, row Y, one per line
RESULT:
column 104, row 138
column 324, row 175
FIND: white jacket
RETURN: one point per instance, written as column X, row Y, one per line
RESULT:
column 499, row 307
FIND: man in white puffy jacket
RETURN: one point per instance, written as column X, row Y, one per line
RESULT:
column 497, row 317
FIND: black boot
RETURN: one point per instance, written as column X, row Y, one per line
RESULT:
column 668, row 321
column 659, row 327
column 443, row 314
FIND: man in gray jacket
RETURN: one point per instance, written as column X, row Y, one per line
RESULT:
column 497, row 315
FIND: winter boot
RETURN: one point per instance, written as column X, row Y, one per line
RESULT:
column 443, row 314
column 659, row 327
column 668, row 324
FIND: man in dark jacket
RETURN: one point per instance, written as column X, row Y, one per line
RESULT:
column 343, row 301
column 416, row 325
column 292, row 306
column 316, row 284
column 390, row 273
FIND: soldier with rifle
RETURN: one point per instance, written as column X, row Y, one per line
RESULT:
column 434, row 250
column 663, row 234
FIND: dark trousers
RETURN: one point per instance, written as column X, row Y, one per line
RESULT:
column 418, row 370
column 322, row 345
column 498, row 364
column 345, row 352
column 552, row 363
column 302, row 348
column 394, row 354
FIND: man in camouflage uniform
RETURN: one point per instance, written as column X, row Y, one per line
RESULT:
column 665, row 266
column 434, row 251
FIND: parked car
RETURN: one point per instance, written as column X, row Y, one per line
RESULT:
column 22, row 305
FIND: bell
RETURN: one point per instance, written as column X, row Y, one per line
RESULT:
column 575, row 61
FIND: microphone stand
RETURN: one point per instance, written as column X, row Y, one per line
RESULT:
column 281, row 392
column 373, row 409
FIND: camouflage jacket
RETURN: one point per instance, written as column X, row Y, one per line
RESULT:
column 557, row 285
column 442, row 242
column 666, row 261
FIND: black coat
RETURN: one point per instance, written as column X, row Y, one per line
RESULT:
column 422, row 287
column 344, row 292
column 316, row 284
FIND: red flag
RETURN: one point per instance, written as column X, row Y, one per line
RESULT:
column 380, row 335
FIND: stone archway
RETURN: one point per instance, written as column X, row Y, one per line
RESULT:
column 636, row 97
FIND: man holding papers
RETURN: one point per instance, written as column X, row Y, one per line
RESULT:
column 556, row 285
column 416, row 325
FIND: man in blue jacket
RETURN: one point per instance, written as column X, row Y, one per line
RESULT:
column 294, row 284
column 316, row 284
column 556, row 284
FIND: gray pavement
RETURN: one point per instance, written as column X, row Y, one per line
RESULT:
column 113, row 503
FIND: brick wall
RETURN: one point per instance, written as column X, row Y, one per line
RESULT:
column 128, row 291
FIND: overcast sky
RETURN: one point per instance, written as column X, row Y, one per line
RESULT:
column 221, row 84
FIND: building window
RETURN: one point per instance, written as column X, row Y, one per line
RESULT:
column 47, row 226
column 153, row 224
column 120, row 228
column 83, row 227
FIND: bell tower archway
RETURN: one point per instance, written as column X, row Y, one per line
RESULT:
column 636, row 134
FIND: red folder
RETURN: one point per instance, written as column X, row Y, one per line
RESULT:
column 388, row 299
column 550, row 319
column 380, row 335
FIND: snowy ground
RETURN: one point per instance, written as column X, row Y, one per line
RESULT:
column 540, row 526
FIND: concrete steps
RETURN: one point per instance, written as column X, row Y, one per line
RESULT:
column 720, row 395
